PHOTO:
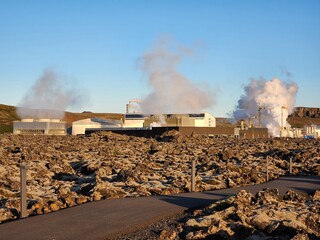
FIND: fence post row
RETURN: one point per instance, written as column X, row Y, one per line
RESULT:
column 23, row 190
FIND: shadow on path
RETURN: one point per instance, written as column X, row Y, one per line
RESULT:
column 307, row 185
column 186, row 202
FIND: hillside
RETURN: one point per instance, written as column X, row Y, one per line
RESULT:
column 8, row 115
column 302, row 116
column 299, row 122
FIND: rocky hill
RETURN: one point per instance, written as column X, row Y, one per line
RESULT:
column 7, row 115
column 306, row 112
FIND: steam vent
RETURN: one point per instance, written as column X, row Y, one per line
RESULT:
column 40, row 127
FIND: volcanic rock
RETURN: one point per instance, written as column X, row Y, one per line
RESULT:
column 64, row 171
column 262, row 216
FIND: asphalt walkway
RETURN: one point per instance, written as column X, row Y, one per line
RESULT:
column 112, row 217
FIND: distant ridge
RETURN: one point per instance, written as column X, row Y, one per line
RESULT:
column 299, row 118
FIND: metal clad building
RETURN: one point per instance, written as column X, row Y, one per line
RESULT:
column 169, row 120
column 81, row 126
column 40, row 127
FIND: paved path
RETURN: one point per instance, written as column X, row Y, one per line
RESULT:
column 109, row 218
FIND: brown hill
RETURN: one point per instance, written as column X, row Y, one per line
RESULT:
column 7, row 116
column 299, row 122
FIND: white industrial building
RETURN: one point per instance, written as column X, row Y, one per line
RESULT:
column 203, row 120
column 312, row 131
column 131, row 121
column 40, row 127
column 169, row 120
column 296, row 132
column 134, row 120
column 80, row 127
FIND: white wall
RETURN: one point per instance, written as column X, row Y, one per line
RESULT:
column 207, row 121
column 80, row 128
column 133, row 123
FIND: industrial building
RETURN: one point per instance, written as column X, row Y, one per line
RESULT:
column 134, row 120
column 211, row 131
column 140, row 122
column 152, row 125
column 312, row 131
column 40, row 127
column 147, row 125
column 169, row 120
column 181, row 120
column 81, row 126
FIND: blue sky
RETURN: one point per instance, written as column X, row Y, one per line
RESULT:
column 96, row 46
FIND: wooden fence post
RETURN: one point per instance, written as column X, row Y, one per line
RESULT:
column 23, row 190
column 193, row 175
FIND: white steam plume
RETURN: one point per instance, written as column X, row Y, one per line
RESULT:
column 171, row 91
column 275, row 99
column 48, row 98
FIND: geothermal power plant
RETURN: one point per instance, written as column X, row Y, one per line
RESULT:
column 149, row 125
column 136, row 123
column 175, row 102
column 261, row 112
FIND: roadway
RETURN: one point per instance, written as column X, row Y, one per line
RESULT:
column 113, row 217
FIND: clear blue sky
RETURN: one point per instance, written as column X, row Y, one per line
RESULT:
column 96, row 45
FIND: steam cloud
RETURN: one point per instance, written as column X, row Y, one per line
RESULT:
column 171, row 91
column 48, row 98
column 275, row 98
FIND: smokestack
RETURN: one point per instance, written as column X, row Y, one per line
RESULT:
column 268, row 99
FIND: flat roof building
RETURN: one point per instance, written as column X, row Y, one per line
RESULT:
column 80, row 127
column 169, row 120
column 40, row 127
